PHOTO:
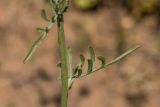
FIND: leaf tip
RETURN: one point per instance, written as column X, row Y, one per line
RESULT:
column 25, row 60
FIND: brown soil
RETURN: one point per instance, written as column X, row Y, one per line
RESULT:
column 110, row 30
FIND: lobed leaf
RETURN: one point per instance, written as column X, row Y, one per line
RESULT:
column 41, row 30
column 79, row 72
column 44, row 15
column 90, row 66
column 75, row 72
column 92, row 54
column 129, row 51
column 82, row 58
column 65, row 5
column 103, row 60
column 43, row 33
column 34, row 47
column 116, row 60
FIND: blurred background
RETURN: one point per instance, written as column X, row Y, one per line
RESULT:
column 110, row 26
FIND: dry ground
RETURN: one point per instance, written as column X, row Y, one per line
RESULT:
column 110, row 30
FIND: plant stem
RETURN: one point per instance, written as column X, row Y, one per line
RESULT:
column 63, row 58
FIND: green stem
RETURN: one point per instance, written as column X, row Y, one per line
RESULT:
column 63, row 57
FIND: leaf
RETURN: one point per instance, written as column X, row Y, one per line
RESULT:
column 65, row 6
column 79, row 72
column 90, row 66
column 53, row 3
column 91, row 60
column 103, row 60
column 43, row 34
column 44, row 15
column 75, row 72
column 34, row 47
column 82, row 58
column 41, row 30
column 129, row 51
column 92, row 54
column 116, row 60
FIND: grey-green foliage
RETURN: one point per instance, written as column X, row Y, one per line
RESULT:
column 69, row 73
column 59, row 9
column 43, row 33
column 79, row 72
column 76, row 72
